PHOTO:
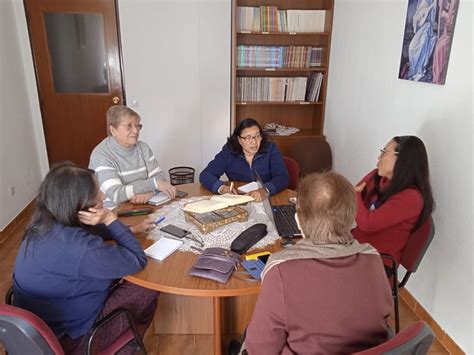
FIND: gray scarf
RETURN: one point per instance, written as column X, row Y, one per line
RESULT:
column 308, row 249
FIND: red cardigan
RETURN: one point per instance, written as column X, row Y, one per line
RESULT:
column 389, row 226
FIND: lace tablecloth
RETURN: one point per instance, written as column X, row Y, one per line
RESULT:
column 220, row 237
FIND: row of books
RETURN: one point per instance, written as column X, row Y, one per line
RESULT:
column 278, row 56
column 279, row 88
column 270, row 19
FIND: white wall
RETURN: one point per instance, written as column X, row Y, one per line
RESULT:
column 20, row 161
column 367, row 104
column 177, row 68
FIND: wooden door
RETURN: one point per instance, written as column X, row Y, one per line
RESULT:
column 78, row 71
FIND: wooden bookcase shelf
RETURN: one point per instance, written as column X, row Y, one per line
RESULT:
column 307, row 116
column 281, row 103
column 266, row 71
column 284, row 33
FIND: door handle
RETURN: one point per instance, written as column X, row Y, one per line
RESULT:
column 116, row 100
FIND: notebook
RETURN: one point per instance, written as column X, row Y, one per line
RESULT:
column 282, row 216
column 158, row 199
column 248, row 187
column 163, row 248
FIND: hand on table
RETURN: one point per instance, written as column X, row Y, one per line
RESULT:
column 141, row 199
column 97, row 216
column 259, row 195
column 166, row 187
column 144, row 226
column 224, row 189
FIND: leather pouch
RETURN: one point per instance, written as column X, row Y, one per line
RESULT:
column 216, row 264
column 248, row 238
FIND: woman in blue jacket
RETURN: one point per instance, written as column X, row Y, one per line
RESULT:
column 247, row 149
column 66, row 274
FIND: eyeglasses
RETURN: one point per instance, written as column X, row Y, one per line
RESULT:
column 383, row 151
column 248, row 139
column 130, row 126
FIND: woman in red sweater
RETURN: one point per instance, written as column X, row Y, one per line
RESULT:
column 394, row 199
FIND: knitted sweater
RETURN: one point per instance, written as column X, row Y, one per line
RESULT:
column 124, row 172
column 388, row 226
column 269, row 164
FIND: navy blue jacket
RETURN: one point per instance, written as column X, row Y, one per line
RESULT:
column 65, row 275
column 269, row 164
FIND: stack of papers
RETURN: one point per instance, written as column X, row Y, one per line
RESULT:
column 217, row 202
column 162, row 248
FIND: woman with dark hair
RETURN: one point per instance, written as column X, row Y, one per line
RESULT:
column 66, row 274
column 247, row 149
column 394, row 199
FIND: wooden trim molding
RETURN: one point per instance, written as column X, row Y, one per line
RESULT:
column 25, row 213
column 423, row 314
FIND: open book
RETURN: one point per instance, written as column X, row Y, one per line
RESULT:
column 217, row 202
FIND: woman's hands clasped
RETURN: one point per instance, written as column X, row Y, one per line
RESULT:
column 97, row 216
column 360, row 187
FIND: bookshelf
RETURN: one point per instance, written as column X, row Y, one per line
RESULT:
column 306, row 115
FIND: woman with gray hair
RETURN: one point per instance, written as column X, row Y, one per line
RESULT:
column 327, row 294
column 126, row 167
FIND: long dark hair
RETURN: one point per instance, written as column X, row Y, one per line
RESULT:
column 65, row 191
column 233, row 141
column 410, row 170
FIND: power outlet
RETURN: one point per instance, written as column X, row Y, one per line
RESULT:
column 12, row 190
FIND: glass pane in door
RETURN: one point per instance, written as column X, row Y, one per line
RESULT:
column 77, row 48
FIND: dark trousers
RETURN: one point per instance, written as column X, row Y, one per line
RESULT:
column 141, row 302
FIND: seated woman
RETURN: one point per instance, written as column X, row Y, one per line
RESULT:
column 66, row 274
column 394, row 199
column 327, row 294
column 247, row 149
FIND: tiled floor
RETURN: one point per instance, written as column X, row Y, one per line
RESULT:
column 156, row 344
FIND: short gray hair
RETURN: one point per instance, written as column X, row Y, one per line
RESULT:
column 326, row 207
column 116, row 113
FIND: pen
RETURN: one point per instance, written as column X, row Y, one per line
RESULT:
column 231, row 186
column 160, row 220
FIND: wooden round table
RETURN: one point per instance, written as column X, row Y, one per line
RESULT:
column 171, row 275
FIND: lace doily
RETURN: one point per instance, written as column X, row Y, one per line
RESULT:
column 220, row 237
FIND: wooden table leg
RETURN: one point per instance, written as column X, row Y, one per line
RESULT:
column 217, row 326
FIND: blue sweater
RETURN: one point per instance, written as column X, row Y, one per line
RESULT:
column 269, row 164
column 64, row 276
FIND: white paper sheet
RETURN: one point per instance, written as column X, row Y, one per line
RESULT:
column 161, row 249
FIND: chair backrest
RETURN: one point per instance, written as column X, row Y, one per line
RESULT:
column 312, row 154
column 417, row 245
column 415, row 339
column 293, row 171
column 22, row 332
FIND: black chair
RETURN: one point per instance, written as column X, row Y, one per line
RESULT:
column 415, row 339
column 22, row 332
column 412, row 255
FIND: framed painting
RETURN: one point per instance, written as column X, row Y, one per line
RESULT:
column 429, row 30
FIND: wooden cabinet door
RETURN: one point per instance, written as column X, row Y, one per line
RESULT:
column 78, row 71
